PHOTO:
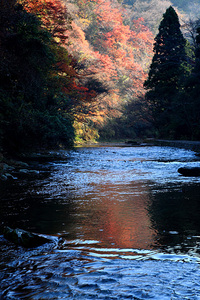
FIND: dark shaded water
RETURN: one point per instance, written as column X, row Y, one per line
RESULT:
column 125, row 225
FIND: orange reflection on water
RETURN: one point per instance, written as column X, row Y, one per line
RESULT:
column 117, row 216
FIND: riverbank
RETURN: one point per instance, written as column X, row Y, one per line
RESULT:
column 184, row 144
column 188, row 145
column 21, row 166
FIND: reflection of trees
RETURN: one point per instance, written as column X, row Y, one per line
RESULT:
column 117, row 216
column 175, row 210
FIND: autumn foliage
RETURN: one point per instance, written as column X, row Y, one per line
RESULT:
column 96, row 36
column 108, row 54
column 53, row 14
column 115, row 54
column 57, row 20
column 95, row 62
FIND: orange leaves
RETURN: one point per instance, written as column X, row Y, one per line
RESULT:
column 77, row 44
column 110, row 51
column 125, row 48
column 65, row 75
column 107, row 15
column 104, row 64
column 104, row 47
column 53, row 14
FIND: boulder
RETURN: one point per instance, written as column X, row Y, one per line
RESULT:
column 189, row 171
column 24, row 238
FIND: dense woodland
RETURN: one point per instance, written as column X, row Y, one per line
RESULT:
column 79, row 70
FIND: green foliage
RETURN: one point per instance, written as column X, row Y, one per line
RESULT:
column 135, row 122
column 85, row 132
column 192, row 96
column 31, row 113
column 174, row 82
column 168, row 68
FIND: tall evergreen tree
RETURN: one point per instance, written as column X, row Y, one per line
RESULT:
column 166, row 71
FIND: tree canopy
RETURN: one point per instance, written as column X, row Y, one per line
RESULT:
column 74, row 70
column 30, row 99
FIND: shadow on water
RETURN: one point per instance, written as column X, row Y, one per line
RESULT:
column 22, row 207
column 174, row 213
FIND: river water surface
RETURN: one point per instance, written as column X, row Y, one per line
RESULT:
column 124, row 225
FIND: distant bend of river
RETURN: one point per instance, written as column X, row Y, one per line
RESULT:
column 126, row 225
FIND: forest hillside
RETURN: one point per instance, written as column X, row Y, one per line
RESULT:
column 74, row 71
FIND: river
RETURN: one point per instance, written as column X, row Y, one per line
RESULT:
column 124, row 224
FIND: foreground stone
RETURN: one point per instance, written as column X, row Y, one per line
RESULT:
column 24, row 238
column 186, row 171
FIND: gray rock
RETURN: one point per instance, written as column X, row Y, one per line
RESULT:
column 189, row 171
column 24, row 238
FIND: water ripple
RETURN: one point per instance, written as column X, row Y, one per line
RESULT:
column 126, row 226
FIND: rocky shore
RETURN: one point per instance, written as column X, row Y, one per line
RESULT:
column 23, row 166
column 9, row 168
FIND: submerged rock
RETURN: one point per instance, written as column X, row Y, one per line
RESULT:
column 24, row 238
column 188, row 171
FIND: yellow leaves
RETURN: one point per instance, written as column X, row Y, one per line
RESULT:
column 85, row 132
column 84, row 23
column 84, row 56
